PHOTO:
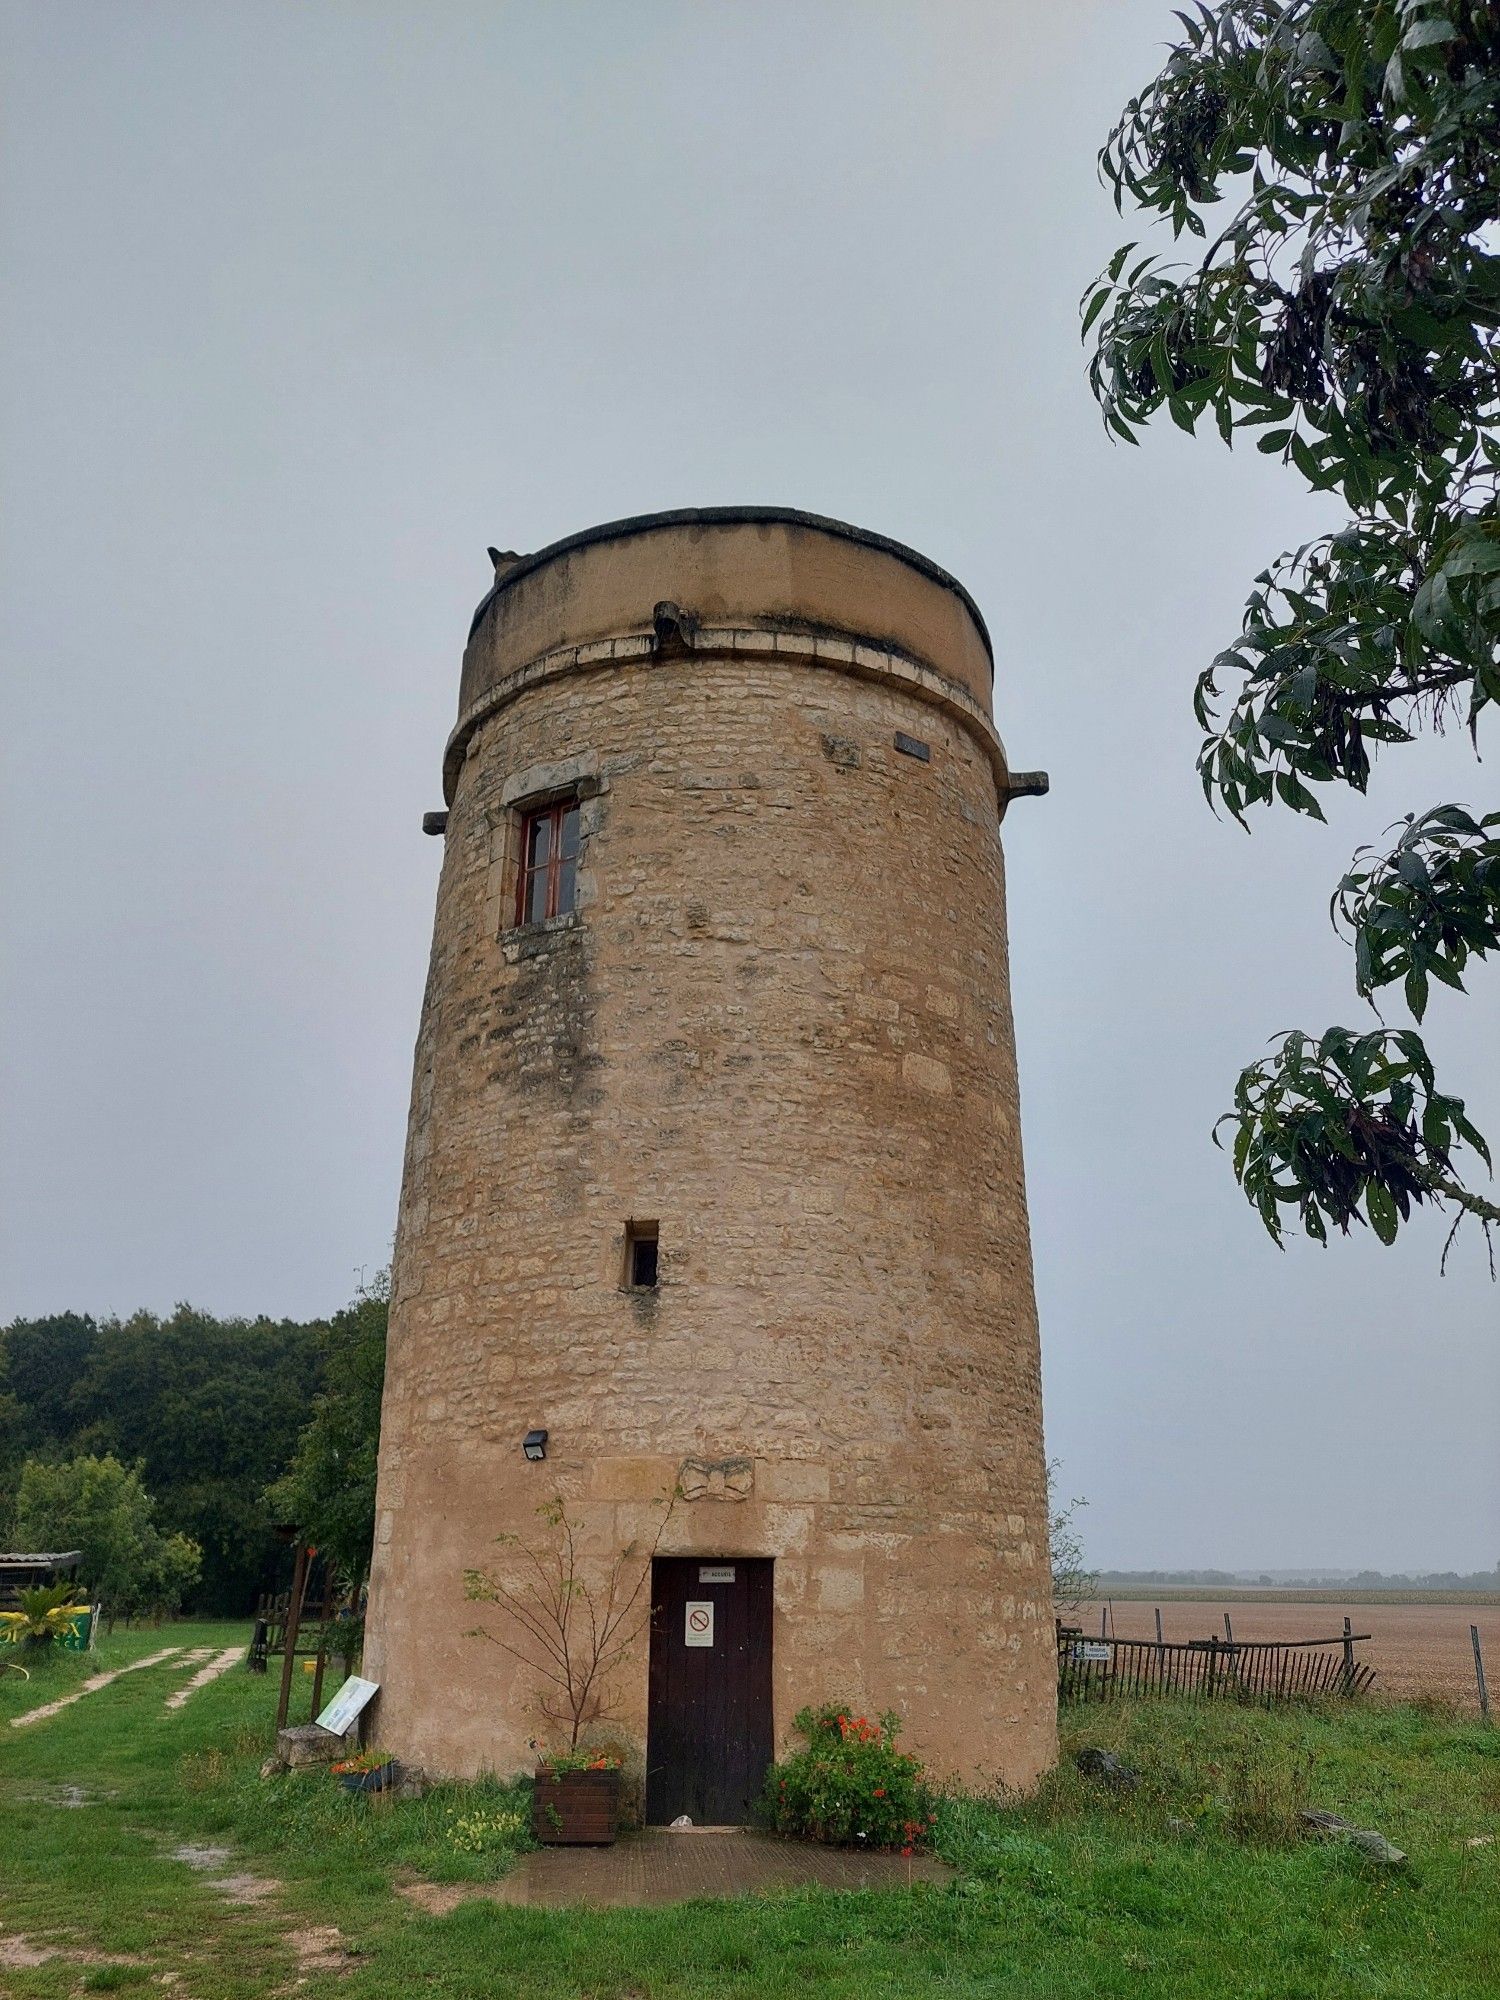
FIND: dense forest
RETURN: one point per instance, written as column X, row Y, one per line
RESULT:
column 235, row 1425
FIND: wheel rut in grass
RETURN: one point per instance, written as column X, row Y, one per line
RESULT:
column 319, row 1947
column 91, row 1686
column 212, row 1665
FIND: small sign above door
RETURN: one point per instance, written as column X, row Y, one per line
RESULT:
column 716, row 1572
column 698, row 1622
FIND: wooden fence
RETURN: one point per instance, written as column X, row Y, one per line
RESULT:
column 1262, row 1670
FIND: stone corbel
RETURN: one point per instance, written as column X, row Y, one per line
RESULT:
column 716, row 1479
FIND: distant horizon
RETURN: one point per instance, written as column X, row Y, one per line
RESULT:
column 1300, row 1572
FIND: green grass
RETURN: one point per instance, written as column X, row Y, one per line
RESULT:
column 1074, row 1893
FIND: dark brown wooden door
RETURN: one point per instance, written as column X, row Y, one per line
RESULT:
column 708, row 1724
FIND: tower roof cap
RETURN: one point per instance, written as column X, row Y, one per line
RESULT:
column 707, row 517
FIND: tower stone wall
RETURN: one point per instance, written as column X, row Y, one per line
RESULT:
column 777, row 1024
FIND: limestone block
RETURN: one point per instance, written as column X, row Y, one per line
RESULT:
column 791, row 1479
column 639, row 1478
column 840, row 1589
column 926, row 1073
column 306, row 1744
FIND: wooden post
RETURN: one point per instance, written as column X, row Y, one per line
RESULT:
column 317, row 1698
column 1161, row 1658
column 1228, row 1629
column 289, row 1640
column 1484, row 1692
column 1348, row 1657
column 1103, row 1621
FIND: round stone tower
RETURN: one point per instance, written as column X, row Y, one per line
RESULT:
column 713, row 1173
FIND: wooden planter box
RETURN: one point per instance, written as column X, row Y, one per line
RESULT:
column 576, row 1808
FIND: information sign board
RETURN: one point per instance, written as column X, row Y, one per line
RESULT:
column 347, row 1705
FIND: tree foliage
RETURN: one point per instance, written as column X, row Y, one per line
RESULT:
column 1072, row 1579
column 1347, row 311
column 102, row 1508
column 329, row 1487
column 211, row 1408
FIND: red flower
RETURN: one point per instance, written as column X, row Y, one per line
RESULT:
column 907, row 1852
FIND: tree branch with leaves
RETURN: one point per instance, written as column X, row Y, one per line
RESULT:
column 570, row 1619
column 1348, row 313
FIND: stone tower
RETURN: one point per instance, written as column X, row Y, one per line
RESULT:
column 714, row 1164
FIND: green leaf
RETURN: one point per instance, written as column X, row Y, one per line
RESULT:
column 1425, row 33
column 1381, row 1209
column 1305, row 463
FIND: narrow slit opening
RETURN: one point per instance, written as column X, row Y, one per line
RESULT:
column 641, row 1260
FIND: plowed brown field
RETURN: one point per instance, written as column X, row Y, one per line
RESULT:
column 1416, row 1649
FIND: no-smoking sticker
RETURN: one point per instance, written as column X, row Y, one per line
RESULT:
column 698, row 1622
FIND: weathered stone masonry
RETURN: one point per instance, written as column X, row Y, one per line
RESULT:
column 778, row 1024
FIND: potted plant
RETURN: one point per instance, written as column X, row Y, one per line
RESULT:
column 571, row 1619
column 576, row 1802
column 44, row 1616
column 366, row 1771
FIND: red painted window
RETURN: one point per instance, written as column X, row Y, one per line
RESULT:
column 548, row 880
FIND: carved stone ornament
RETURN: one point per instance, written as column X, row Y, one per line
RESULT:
column 716, row 1479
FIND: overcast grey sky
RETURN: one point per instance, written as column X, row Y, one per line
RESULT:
column 305, row 303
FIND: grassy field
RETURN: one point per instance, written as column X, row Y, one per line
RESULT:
column 1419, row 1647
column 1195, row 1884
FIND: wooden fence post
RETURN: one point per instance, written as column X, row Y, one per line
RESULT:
column 1348, row 1657
column 1484, row 1692
column 293, row 1620
column 317, row 1694
column 1161, row 1658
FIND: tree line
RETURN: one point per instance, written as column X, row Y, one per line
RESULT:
column 171, row 1449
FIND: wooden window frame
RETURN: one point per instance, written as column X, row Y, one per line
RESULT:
column 637, row 1234
column 553, row 813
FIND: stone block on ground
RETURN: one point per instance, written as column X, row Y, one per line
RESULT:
column 305, row 1743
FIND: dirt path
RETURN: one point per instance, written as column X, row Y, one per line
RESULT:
column 91, row 1686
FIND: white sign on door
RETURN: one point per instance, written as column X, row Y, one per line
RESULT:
column 716, row 1572
column 698, row 1622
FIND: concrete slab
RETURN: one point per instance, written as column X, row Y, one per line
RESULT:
column 657, row 1867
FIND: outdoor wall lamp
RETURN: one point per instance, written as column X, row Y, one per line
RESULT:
column 534, row 1444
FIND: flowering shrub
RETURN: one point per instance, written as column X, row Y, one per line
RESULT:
column 487, row 1832
column 851, row 1786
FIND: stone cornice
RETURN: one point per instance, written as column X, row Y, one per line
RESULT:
column 841, row 653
